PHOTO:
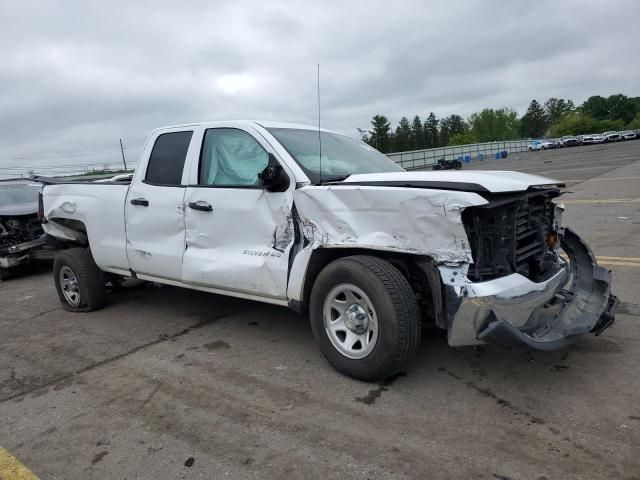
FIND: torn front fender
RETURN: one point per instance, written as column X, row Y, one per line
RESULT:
column 411, row 220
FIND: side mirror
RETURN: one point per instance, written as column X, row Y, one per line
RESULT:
column 273, row 177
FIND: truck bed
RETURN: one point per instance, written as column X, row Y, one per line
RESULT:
column 94, row 211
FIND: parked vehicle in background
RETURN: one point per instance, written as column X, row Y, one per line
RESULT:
column 535, row 145
column 570, row 141
column 611, row 136
column 592, row 138
column 371, row 251
column 22, row 239
column 628, row 135
column 541, row 145
column 447, row 164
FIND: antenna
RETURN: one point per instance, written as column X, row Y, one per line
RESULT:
column 319, row 136
column 124, row 160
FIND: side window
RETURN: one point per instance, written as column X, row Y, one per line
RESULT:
column 167, row 158
column 231, row 157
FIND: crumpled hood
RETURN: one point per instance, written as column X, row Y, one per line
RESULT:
column 18, row 210
column 467, row 180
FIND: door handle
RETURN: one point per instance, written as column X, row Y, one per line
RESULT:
column 140, row 201
column 201, row 206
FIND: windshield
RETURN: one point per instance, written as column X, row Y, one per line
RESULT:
column 341, row 155
column 19, row 194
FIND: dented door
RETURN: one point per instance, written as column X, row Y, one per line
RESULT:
column 238, row 235
column 154, row 210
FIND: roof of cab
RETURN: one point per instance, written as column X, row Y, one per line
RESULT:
column 253, row 123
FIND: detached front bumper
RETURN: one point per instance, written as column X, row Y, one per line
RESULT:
column 574, row 299
column 23, row 253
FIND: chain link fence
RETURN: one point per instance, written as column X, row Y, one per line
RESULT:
column 417, row 159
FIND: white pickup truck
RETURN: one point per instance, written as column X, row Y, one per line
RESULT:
column 321, row 222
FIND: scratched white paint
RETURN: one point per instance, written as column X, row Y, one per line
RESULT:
column 155, row 233
column 100, row 209
column 411, row 220
column 243, row 244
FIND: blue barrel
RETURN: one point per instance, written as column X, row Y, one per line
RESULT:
column 498, row 157
column 504, row 154
column 481, row 157
column 467, row 159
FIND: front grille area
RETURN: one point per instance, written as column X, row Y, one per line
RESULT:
column 509, row 235
column 18, row 229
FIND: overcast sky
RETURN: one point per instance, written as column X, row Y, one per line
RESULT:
column 77, row 75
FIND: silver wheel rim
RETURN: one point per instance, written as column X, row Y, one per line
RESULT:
column 350, row 321
column 69, row 286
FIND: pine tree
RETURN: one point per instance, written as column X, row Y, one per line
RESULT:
column 403, row 136
column 417, row 134
column 380, row 133
column 535, row 122
column 430, row 129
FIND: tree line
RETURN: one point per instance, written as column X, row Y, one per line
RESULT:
column 553, row 118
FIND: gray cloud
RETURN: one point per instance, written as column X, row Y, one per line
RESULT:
column 78, row 75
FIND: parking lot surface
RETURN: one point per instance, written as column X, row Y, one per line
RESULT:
column 171, row 383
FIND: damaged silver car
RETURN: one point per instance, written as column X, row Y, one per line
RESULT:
column 22, row 239
column 323, row 223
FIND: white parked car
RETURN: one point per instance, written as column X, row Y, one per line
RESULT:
column 628, row 135
column 592, row 138
column 612, row 136
column 372, row 252
column 536, row 145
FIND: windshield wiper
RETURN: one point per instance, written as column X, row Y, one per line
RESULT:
column 333, row 179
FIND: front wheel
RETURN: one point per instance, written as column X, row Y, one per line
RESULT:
column 79, row 281
column 365, row 317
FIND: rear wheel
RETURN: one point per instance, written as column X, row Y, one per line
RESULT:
column 365, row 317
column 79, row 281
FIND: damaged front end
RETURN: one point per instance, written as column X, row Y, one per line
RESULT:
column 520, row 290
column 21, row 239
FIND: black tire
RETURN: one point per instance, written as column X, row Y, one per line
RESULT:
column 90, row 280
column 437, row 167
column 457, row 165
column 5, row 274
column 397, row 311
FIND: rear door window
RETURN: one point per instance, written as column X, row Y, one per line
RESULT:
column 166, row 162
